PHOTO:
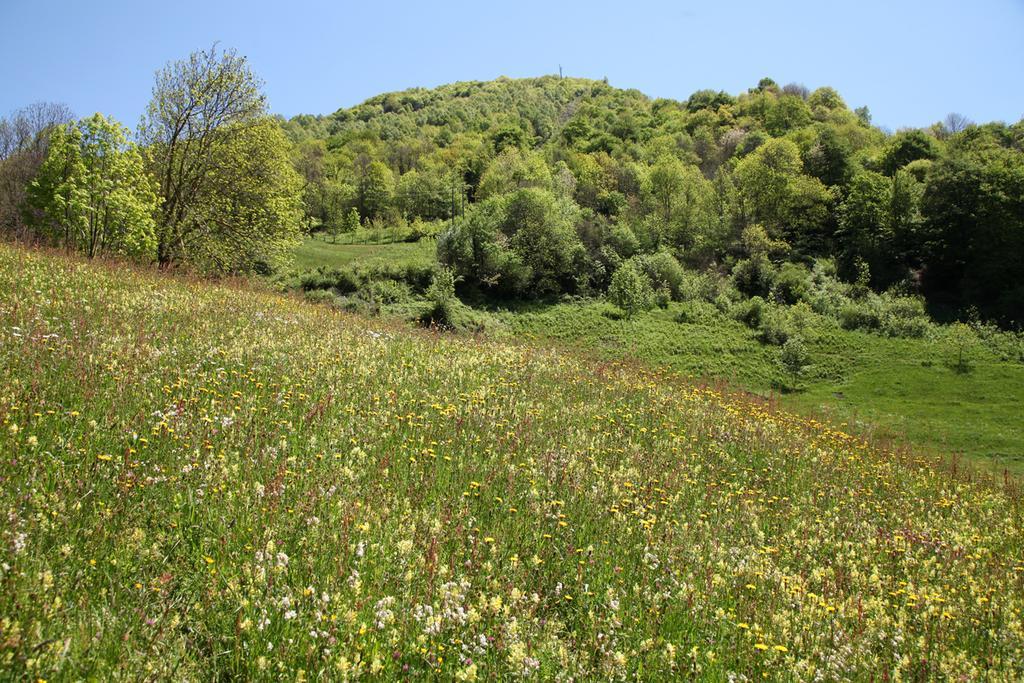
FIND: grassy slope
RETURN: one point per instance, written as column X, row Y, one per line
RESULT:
column 896, row 388
column 204, row 482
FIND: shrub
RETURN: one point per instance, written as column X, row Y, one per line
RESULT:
column 775, row 326
column 699, row 286
column 662, row 296
column 904, row 317
column 622, row 240
column 791, row 284
column 961, row 345
column 630, row 289
column 443, row 301
column 329, row 278
column 750, row 312
column 663, row 269
column 754, row 276
column 794, row 358
column 416, row 274
column 386, row 291
column 321, row 296
column 861, row 315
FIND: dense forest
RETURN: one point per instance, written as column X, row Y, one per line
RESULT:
column 558, row 183
column 545, row 187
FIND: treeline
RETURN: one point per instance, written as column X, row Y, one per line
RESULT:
column 205, row 181
column 569, row 179
column 557, row 185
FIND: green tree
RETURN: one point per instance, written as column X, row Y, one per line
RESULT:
column 630, row 289
column 374, row 189
column 961, row 342
column 865, row 230
column 788, row 113
column 541, row 229
column 828, row 158
column 249, row 216
column 512, row 170
column 423, row 194
column 92, row 192
column 764, row 179
column 200, row 107
column 906, row 147
column 794, row 359
column 972, row 233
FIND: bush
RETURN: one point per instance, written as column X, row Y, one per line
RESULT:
column 861, row 315
column 416, row 274
column 329, row 278
column 386, row 291
column 622, row 240
column 443, row 301
column 754, row 276
column 321, row 296
column 961, row 345
column 663, row 269
column 904, row 317
column 794, row 359
column 630, row 289
column 750, row 312
column 827, row 293
column 802, row 320
column 791, row 284
column 662, row 297
column 698, row 286
column 775, row 326
column 697, row 312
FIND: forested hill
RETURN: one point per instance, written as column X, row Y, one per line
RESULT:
column 753, row 180
column 539, row 106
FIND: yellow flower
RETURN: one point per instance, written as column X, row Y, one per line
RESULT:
column 761, row 646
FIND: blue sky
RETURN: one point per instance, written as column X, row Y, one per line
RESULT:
column 910, row 62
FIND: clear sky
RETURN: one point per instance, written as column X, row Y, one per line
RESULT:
column 910, row 62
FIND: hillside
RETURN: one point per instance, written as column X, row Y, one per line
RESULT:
column 212, row 481
column 702, row 234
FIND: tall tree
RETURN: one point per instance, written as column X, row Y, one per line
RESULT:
column 93, row 193
column 249, row 216
column 199, row 105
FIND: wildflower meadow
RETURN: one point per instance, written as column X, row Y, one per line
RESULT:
column 209, row 481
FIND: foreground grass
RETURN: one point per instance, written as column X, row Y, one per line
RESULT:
column 901, row 389
column 203, row 482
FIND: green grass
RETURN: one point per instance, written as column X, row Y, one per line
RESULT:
column 901, row 389
column 204, row 482
column 315, row 252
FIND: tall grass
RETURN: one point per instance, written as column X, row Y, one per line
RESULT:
column 207, row 482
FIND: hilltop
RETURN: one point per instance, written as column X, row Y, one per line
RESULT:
column 539, row 107
column 206, row 480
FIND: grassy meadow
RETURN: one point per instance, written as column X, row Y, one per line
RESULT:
column 900, row 389
column 316, row 252
column 208, row 481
